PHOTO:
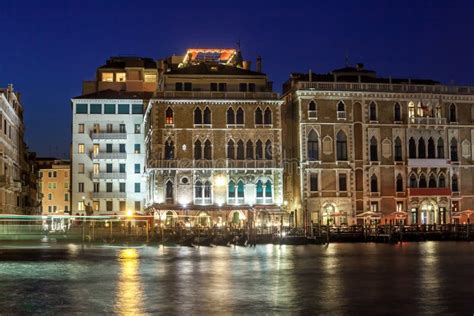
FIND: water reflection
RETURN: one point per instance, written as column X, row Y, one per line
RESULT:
column 430, row 296
column 129, row 292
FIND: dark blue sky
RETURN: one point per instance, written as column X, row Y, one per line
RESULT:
column 48, row 47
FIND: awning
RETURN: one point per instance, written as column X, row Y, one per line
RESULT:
column 398, row 215
column 370, row 214
column 461, row 213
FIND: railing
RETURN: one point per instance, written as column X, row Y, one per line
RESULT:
column 313, row 114
column 109, row 195
column 100, row 156
column 341, row 115
column 115, row 135
column 429, row 191
column 216, row 95
column 109, row 175
column 428, row 163
column 214, row 164
column 427, row 120
column 384, row 87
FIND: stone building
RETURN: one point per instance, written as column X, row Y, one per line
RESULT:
column 107, row 155
column 54, row 187
column 368, row 148
column 213, row 138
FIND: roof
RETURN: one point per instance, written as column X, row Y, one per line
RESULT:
column 213, row 69
column 128, row 61
column 353, row 70
column 113, row 94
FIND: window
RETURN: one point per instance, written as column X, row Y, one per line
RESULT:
column 96, row 128
column 268, row 150
column 197, row 150
column 81, row 108
column 66, row 208
column 188, row 86
column 109, row 108
column 313, row 182
column 124, row 109
column 80, row 129
column 312, row 112
column 122, row 168
column 207, row 190
column 110, row 128
column 442, row 181
column 259, row 150
column 252, row 87
column 421, row 148
column 122, row 206
column 213, row 86
column 95, row 149
column 96, row 109
column 413, row 181
column 121, row 148
column 397, row 113
column 373, row 149
column 258, row 117
column 240, row 191
column 372, row 111
column 108, row 168
column 136, row 149
column 411, row 148
column 120, row 77
column 432, row 181
column 66, row 197
column 231, row 191
column 230, row 149
column 109, row 206
column 454, row 149
column 452, row 113
column 207, row 150
column 342, row 182
column 108, row 148
column 313, row 146
column 341, row 107
column 96, row 187
column 454, row 183
column 109, row 186
column 431, row 148
column 137, row 206
column 50, row 196
column 222, row 86
column 398, row 149
column 240, row 116
column 80, row 168
column 440, row 148
column 80, row 187
column 373, row 184
column 267, row 117
column 80, row 206
column 341, row 146
column 81, row 149
column 122, row 128
column 122, row 187
column 137, row 168
column 422, row 183
column 169, row 116
column 268, row 191
column 249, row 150
column 137, row 128
column 240, row 150
column 169, row 150
column 242, row 87
column 137, row 187
column 399, row 183
column 178, row 86
column 137, row 109
column 259, row 191
column 96, row 206
column 197, row 116
column 150, row 77
column 207, row 116
column 95, row 168
column 230, row 116
column 374, row 207
column 108, row 76
column 198, row 190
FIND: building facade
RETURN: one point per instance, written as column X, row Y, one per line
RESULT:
column 108, row 137
column 367, row 148
column 54, row 187
column 213, row 138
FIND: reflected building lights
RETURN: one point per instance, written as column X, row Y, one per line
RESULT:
column 129, row 293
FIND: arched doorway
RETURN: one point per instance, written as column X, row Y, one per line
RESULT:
column 429, row 212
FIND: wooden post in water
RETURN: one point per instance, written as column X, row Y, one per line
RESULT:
column 111, row 230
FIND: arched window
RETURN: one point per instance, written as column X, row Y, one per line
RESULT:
column 313, row 146
column 207, row 150
column 207, row 116
column 259, row 150
column 373, row 149
column 373, row 184
column 240, row 150
column 268, row 191
column 230, row 116
column 268, row 150
column 259, row 191
column 452, row 113
column 197, row 116
column 312, row 111
column 454, row 149
column 169, row 190
column 197, row 150
column 230, row 149
column 207, row 191
column 341, row 107
column 413, row 181
column 341, row 146
column 267, row 118
column 231, row 191
column 240, row 191
column 249, row 150
column 411, row 148
column 411, row 109
column 169, row 116
column 240, row 116
column 431, row 148
column 422, row 183
column 432, row 181
column 399, row 183
column 442, row 181
column 440, row 148
column 397, row 112
column 398, row 149
column 421, row 148
column 454, row 183
column 198, row 190
column 169, row 150
column 258, row 116
column 372, row 111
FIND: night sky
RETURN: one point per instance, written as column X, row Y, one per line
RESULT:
column 48, row 47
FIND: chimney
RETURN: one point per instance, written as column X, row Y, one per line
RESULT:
column 246, row 64
column 258, row 64
column 310, row 75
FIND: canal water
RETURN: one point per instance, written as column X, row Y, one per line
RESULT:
column 409, row 278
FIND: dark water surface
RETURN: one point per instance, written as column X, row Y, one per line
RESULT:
column 410, row 278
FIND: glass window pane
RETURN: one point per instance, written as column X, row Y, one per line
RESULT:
column 109, row 108
column 124, row 109
column 96, row 109
column 81, row 108
column 137, row 109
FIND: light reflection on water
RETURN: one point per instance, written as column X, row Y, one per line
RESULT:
column 410, row 278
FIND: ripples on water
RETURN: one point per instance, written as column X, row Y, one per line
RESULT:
column 411, row 278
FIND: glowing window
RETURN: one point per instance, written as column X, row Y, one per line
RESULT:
column 107, row 76
column 150, row 77
column 121, row 77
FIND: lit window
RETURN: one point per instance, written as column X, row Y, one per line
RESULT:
column 107, row 76
column 80, row 168
column 80, row 206
column 95, row 168
column 137, row 149
column 81, row 129
column 137, row 128
column 81, row 148
column 150, row 77
column 80, row 187
column 121, row 77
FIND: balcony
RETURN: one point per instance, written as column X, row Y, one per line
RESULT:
column 109, row 195
column 227, row 95
column 341, row 115
column 109, row 176
column 108, row 136
column 428, row 163
column 429, row 191
column 313, row 115
column 4, row 180
column 251, row 164
column 104, row 156
column 427, row 121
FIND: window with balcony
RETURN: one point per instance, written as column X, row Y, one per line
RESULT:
column 230, row 149
column 240, row 150
column 231, row 192
column 413, row 181
column 249, row 150
column 341, row 111
column 431, row 148
column 422, row 182
column 267, row 116
column 268, row 150
column 259, row 191
column 213, row 86
column 341, row 146
column 440, row 148
column 178, row 86
column 109, row 206
column 411, row 109
column 432, row 181
column 374, row 184
column 81, row 148
column 122, row 187
column 258, row 150
column 398, row 149
column 122, row 167
column 150, row 77
column 230, row 116
column 108, row 168
column 454, row 149
column 207, row 150
column 399, row 184
column 421, row 148
column 240, row 192
column 95, row 169
column 108, row 148
column 411, row 148
column 454, row 183
column 373, row 149
column 121, row 148
column 397, row 112
column 268, row 192
column 258, row 116
column 222, row 86
column 372, row 111
column 312, row 110
column 240, row 116
column 313, row 146
column 453, row 113
column 96, row 187
column 110, row 128
column 197, row 150
column 188, row 86
column 313, row 182
column 95, row 149
column 252, row 87
column 442, row 181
